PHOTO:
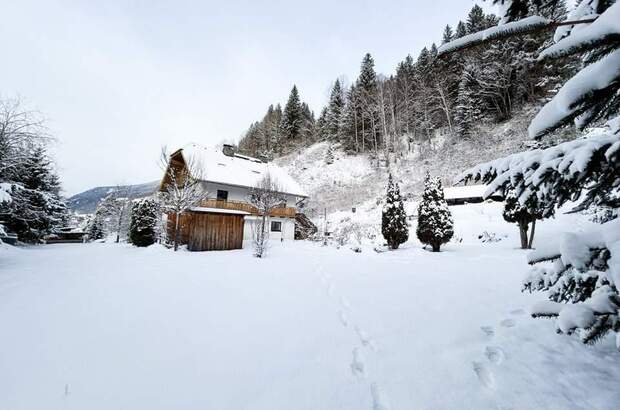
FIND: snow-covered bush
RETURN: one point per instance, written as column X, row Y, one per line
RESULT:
column 435, row 225
column 394, row 226
column 349, row 231
column 145, row 215
column 581, row 276
column 96, row 226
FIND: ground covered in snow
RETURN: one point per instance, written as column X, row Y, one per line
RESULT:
column 106, row 326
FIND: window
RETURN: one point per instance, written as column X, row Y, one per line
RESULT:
column 276, row 226
column 222, row 195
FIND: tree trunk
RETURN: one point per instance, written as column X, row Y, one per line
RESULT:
column 523, row 234
column 436, row 247
column 531, row 241
column 177, row 226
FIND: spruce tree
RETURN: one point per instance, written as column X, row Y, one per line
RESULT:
column 96, row 227
column 145, row 215
column 468, row 104
column 394, row 225
column 329, row 155
column 435, row 225
column 447, row 35
column 37, row 208
column 476, row 20
column 292, row 117
column 461, row 30
column 334, row 111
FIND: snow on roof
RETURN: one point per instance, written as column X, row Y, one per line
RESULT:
column 239, row 170
column 468, row 191
column 218, row 210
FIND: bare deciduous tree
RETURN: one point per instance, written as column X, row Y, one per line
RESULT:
column 20, row 130
column 184, row 189
column 265, row 197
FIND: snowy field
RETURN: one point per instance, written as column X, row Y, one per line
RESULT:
column 106, row 326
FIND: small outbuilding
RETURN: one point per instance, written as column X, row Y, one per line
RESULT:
column 469, row 194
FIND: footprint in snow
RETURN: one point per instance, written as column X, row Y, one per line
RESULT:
column 488, row 330
column 508, row 323
column 364, row 338
column 357, row 364
column 345, row 303
column 517, row 312
column 495, row 354
column 379, row 401
column 343, row 319
column 485, row 376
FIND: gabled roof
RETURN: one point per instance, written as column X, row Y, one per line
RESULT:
column 239, row 170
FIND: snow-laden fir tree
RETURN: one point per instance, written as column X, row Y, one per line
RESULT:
column 329, row 155
column 523, row 215
column 36, row 208
column 335, row 108
column 143, row 227
column 468, row 103
column 292, row 117
column 96, row 227
column 394, row 225
column 435, row 225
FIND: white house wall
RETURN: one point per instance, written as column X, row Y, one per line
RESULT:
column 288, row 228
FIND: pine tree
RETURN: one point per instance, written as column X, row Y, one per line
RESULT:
column 476, row 20
column 461, row 30
column 523, row 216
column 447, row 35
column 468, row 105
column 145, row 216
column 435, row 225
column 292, row 117
column 37, row 208
column 334, row 111
column 329, row 155
column 96, row 227
column 394, row 225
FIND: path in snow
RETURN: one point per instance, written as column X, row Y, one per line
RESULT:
column 110, row 326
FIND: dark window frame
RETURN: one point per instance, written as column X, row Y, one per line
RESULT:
column 277, row 224
column 222, row 195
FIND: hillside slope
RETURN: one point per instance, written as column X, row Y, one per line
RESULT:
column 86, row 202
column 360, row 181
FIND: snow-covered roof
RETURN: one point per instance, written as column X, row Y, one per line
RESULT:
column 239, row 170
column 468, row 191
column 218, row 210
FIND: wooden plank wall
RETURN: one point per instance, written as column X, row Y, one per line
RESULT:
column 209, row 232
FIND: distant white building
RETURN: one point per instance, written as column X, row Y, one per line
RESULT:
column 226, row 218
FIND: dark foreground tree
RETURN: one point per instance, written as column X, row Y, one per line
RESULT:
column 435, row 225
column 145, row 216
column 523, row 216
column 394, row 225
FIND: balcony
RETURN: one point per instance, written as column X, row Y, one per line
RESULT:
column 283, row 212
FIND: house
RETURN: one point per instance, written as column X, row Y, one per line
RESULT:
column 460, row 195
column 225, row 218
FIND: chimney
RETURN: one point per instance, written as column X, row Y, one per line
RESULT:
column 228, row 150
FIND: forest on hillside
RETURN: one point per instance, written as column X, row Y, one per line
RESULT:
column 451, row 94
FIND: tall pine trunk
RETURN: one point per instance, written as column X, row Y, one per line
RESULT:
column 531, row 241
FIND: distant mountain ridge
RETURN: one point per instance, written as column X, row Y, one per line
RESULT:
column 86, row 202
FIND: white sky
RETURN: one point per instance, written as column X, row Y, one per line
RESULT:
column 119, row 79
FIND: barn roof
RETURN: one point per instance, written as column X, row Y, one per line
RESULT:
column 239, row 169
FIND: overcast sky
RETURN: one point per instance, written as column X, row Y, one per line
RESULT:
column 119, row 79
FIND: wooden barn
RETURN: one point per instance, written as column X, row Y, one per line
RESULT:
column 225, row 219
